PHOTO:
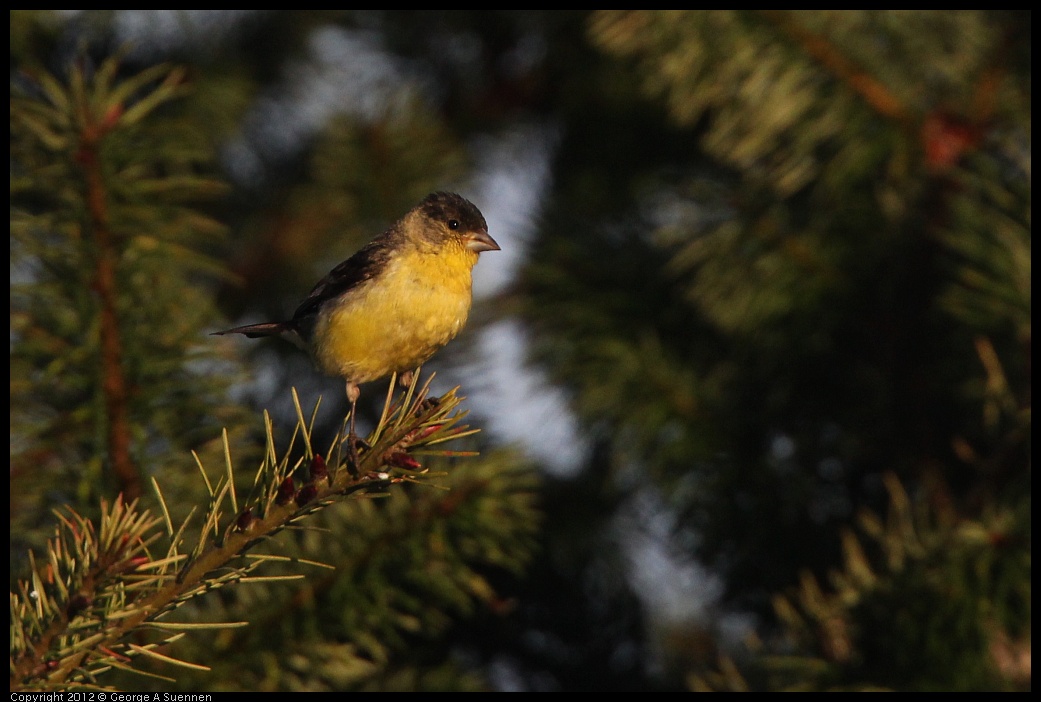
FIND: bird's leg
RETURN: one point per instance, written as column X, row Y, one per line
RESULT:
column 353, row 392
column 405, row 378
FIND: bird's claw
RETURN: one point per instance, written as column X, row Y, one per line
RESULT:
column 354, row 442
column 427, row 404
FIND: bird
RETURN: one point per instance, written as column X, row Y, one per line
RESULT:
column 394, row 303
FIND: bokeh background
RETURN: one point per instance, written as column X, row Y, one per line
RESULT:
column 752, row 368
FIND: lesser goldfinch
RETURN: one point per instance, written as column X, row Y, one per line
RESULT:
column 390, row 306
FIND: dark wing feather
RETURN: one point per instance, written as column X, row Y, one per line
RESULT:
column 356, row 270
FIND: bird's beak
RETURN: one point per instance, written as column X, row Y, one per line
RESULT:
column 480, row 241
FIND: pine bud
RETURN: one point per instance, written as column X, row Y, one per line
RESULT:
column 400, row 459
column 319, row 471
column 285, row 491
column 245, row 520
column 306, row 494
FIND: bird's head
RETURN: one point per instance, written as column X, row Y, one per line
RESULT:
column 450, row 217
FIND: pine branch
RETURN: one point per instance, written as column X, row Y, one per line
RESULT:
column 871, row 90
column 109, row 280
column 92, row 130
column 920, row 575
column 409, row 570
column 100, row 583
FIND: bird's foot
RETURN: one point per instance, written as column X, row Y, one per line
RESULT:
column 354, row 442
column 427, row 404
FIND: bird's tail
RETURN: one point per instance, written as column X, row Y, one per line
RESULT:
column 257, row 330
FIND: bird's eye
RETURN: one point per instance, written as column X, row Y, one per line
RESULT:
column 453, row 224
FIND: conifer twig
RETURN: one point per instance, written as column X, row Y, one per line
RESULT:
column 873, row 91
column 99, row 583
column 93, row 128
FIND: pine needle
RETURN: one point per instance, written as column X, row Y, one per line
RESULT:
column 166, row 659
column 230, row 472
column 162, row 504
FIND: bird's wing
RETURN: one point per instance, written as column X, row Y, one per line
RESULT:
column 365, row 265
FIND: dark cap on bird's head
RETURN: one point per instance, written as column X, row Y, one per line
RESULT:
column 459, row 214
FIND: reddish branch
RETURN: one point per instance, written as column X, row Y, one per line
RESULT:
column 874, row 92
column 944, row 135
column 114, row 384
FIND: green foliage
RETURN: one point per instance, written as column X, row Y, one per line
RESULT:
column 781, row 272
column 988, row 237
column 98, row 589
column 793, row 284
column 406, row 568
column 116, row 220
column 815, row 271
column 925, row 602
column 829, row 142
column 109, row 283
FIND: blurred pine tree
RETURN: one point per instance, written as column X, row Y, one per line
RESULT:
column 115, row 214
column 782, row 272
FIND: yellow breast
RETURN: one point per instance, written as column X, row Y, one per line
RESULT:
column 398, row 319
